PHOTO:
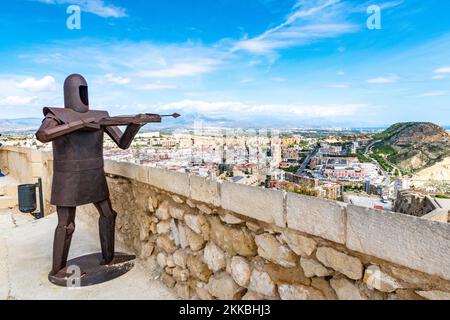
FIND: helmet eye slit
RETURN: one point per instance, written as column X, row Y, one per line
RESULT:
column 84, row 95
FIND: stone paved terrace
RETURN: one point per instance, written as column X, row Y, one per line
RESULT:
column 226, row 241
column 25, row 259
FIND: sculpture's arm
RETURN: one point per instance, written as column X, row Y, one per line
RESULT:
column 51, row 129
column 123, row 139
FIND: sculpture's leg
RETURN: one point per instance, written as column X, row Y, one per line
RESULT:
column 107, row 224
column 63, row 237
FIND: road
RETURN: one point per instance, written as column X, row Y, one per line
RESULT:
column 400, row 174
column 307, row 160
column 387, row 177
column 370, row 146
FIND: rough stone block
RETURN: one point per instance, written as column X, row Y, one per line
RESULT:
column 339, row 261
column 195, row 241
column 251, row 295
column 269, row 248
column 319, row 217
column 301, row 245
column 281, row 275
column 235, row 241
column 434, row 295
column 346, row 289
column 406, row 240
column 377, row 279
column 299, row 292
column 240, row 270
column 198, row 223
column 214, row 257
column 168, row 245
column 180, row 274
column 198, row 268
column 261, row 204
column 223, row 287
column 261, row 282
column 183, row 291
column 324, row 286
column 180, row 258
column 168, row 280
column 313, row 268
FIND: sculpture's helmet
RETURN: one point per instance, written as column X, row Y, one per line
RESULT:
column 76, row 93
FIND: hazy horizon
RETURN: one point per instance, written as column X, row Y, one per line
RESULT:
column 33, row 123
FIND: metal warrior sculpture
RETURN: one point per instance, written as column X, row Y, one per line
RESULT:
column 79, row 178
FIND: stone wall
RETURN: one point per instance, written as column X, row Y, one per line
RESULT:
column 26, row 165
column 227, row 241
column 419, row 205
column 414, row 203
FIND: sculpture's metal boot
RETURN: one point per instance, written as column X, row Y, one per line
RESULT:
column 107, row 224
column 63, row 238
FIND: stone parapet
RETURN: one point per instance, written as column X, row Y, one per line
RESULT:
column 216, row 240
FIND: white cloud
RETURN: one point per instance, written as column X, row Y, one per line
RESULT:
column 16, row 101
column 392, row 78
column 293, row 36
column 37, row 84
column 391, row 4
column 235, row 107
column 183, row 69
column 341, row 73
column 308, row 22
column 339, row 86
column 442, row 70
column 97, row 7
column 435, row 93
column 117, row 79
column 142, row 59
column 439, row 77
column 157, row 86
column 362, row 7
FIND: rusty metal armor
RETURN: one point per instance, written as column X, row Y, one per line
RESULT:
column 78, row 168
column 79, row 176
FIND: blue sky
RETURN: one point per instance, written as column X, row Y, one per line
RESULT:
column 298, row 62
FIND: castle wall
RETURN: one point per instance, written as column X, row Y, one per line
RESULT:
column 216, row 240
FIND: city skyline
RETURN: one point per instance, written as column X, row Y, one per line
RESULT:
column 306, row 62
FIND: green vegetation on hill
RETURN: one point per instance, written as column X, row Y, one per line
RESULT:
column 411, row 146
column 389, row 131
column 384, row 149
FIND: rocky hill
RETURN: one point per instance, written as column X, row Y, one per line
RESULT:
column 413, row 146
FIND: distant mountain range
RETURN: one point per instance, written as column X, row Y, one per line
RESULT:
column 189, row 120
column 16, row 125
